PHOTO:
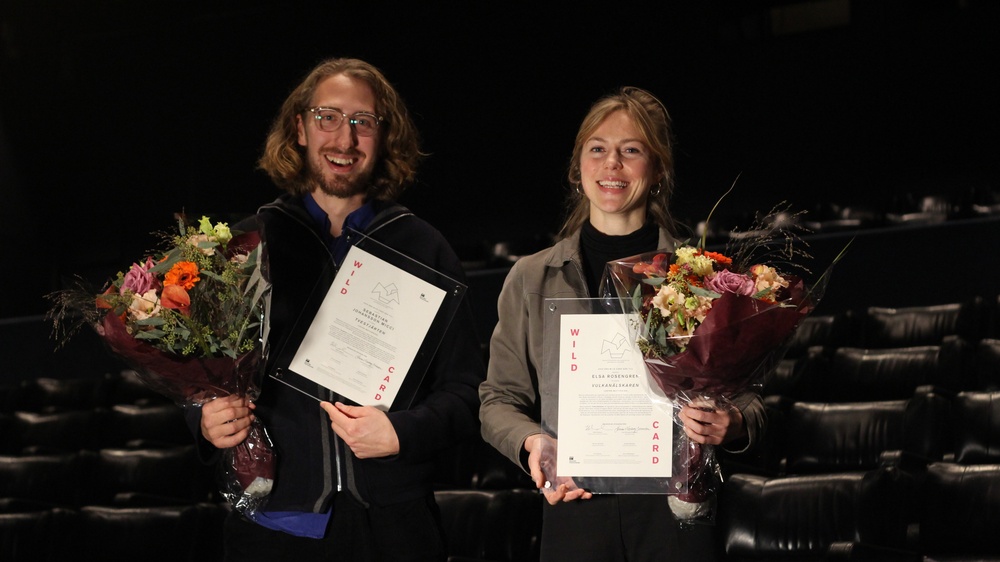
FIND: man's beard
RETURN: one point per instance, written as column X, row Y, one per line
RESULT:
column 337, row 186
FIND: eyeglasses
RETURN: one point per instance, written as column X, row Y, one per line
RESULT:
column 330, row 119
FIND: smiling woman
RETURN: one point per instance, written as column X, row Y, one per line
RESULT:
column 622, row 172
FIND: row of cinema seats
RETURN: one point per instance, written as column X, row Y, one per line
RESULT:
column 105, row 465
column 883, row 442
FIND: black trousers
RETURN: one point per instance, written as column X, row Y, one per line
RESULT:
column 623, row 528
column 405, row 532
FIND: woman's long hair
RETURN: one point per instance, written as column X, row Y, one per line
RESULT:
column 653, row 122
column 399, row 150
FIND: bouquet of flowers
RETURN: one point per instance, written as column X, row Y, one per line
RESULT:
column 711, row 326
column 188, row 321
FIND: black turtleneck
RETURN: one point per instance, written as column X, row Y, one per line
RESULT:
column 597, row 249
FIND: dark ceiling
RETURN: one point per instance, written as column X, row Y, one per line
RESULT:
column 116, row 114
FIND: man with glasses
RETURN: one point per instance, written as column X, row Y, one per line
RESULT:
column 353, row 482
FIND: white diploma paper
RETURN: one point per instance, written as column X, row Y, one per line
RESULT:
column 368, row 330
column 609, row 423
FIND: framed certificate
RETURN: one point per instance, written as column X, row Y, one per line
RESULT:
column 613, row 429
column 369, row 337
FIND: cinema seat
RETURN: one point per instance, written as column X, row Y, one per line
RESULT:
column 56, row 432
column 818, row 437
column 959, row 512
column 850, row 374
column 53, row 394
column 986, row 365
column 491, row 525
column 188, row 533
column 145, row 426
column 51, row 480
column 923, row 325
column 976, row 427
column 162, row 475
column 841, row 516
column 830, row 331
column 34, row 535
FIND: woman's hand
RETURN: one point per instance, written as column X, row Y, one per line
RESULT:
column 225, row 421
column 706, row 423
column 541, row 461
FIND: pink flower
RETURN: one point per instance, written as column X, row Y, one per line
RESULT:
column 139, row 280
column 726, row 281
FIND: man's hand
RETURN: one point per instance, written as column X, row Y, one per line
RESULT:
column 365, row 429
column 225, row 421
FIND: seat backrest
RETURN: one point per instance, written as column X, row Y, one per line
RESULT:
column 976, row 427
column 815, row 437
column 826, row 330
column 48, row 479
column 29, row 535
column 959, row 511
column 154, row 425
column 850, row 374
column 125, row 387
column 499, row 525
column 50, row 394
column 986, row 365
column 922, row 325
column 173, row 474
column 160, row 533
column 801, row 516
column 59, row 432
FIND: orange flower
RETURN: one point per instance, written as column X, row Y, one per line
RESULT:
column 719, row 258
column 175, row 297
column 184, row 274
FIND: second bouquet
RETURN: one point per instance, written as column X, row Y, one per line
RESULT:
column 710, row 327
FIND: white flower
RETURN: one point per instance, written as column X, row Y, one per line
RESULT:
column 668, row 300
column 145, row 305
column 767, row 278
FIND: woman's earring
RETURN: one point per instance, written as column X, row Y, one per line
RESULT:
column 656, row 189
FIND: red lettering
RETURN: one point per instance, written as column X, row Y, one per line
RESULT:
column 381, row 387
column 656, row 448
column 343, row 291
column 357, row 265
column 656, row 424
column 656, row 437
column 391, row 370
column 575, row 331
column 656, row 460
column 378, row 396
column 572, row 367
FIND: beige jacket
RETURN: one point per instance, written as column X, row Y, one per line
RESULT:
column 515, row 390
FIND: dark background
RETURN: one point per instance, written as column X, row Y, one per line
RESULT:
column 116, row 114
